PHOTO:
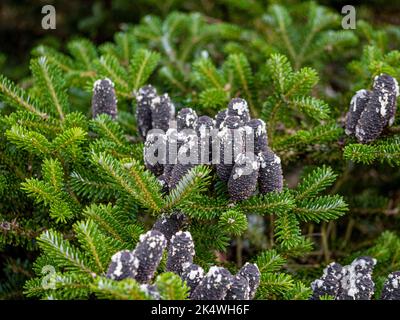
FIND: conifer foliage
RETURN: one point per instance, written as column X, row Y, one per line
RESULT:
column 95, row 219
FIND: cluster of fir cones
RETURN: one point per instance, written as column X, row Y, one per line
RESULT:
column 354, row 282
column 141, row 264
column 241, row 155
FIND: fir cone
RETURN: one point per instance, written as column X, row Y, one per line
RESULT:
column 187, row 159
column 186, row 119
column 192, row 274
column 178, row 172
column 104, row 99
column 389, row 89
column 357, row 106
column 391, row 287
column 214, row 285
column 256, row 131
column 180, row 251
column 243, row 180
column 251, row 272
column 144, row 98
column 231, row 145
column 220, row 117
column 149, row 252
column 356, row 283
column 379, row 111
column 154, row 160
column 239, row 289
column 123, row 265
column 162, row 112
column 270, row 176
column 203, row 129
column 238, row 107
column 329, row 283
column 169, row 225
column 171, row 153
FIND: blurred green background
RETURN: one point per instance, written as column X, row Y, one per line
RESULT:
column 20, row 21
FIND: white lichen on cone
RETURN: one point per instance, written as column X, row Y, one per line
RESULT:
column 356, row 283
column 351, row 282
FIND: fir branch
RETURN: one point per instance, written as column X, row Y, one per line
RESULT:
column 132, row 179
column 270, row 261
column 315, row 182
column 386, row 150
column 270, row 203
column 323, row 208
column 18, row 98
column 142, row 65
column 49, row 78
column 63, row 253
column 188, row 187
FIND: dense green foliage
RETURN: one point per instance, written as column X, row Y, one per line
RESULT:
column 74, row 189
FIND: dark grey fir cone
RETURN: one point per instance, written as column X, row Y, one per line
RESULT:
column 356, row 283
column 123, row 265
column 238, row 107
column 379, row 110
column 231, row 145
column 149, row 252
column 243, row 180
column 180, row 251
column 168, row 225
column 150, row 145
column 391, row 287
column 192, row 274
column 239, row 289
column 256, row 132
column 104, row 100
column 214, row 285
column 203, row 129
column 357, row 106
column 162, row 112
column 220, row 117
column 144, row 98
column 251, row 272
column 186, row 119
column 329, row 283
column 270, row 177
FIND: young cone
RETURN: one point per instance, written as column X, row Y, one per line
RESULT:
column 104, row 100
